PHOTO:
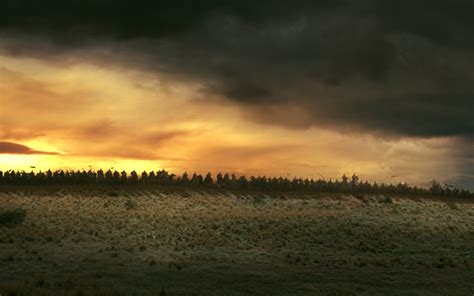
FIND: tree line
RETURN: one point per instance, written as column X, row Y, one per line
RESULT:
column 225, row 181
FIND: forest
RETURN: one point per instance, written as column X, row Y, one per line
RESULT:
column 225, row 181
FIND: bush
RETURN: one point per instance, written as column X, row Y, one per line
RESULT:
column 130, row 204
column 12, row 217
column 385, row 199
column 113, row 194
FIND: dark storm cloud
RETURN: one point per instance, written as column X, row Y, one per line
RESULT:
column 390, row 67
column 125, row 19
column 462, row 152
column 15, row 148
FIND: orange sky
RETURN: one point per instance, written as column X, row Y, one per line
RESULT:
column 113, row 117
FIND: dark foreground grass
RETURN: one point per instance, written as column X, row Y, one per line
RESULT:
column 11, row 217
column 167, row 242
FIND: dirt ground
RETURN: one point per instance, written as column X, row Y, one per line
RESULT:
column 162, row 241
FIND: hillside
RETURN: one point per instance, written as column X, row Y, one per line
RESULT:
column 174, row 241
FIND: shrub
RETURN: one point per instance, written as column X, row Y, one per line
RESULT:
column 113, row 194
column 361, row 198
column 452, row 205
column 12, row 217
column 385, row 199
column 130, row 204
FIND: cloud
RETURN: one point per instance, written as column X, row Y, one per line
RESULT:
column 128, row 144
column 15, row 148
column 396, row 68
column 159, row 138
column 19, row 134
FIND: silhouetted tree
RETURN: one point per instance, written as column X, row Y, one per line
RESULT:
column 208, row 180
column 133, row 177
column 185, row 179
column 123, row 177
column 162, row 177
column 144, row 178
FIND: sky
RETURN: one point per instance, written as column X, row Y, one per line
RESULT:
column 383, row 89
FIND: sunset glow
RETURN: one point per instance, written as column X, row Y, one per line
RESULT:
column 113, row 117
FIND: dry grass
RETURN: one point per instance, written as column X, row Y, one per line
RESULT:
column 223, row 243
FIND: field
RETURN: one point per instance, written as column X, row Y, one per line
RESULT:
column 171, row 241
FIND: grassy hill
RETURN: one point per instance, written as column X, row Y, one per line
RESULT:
column 176, row 241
